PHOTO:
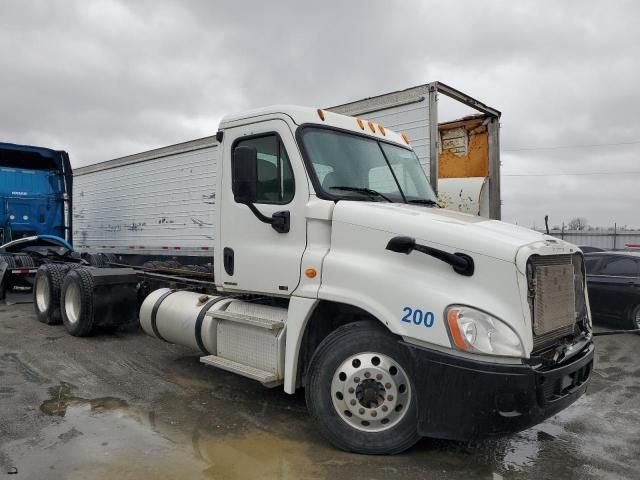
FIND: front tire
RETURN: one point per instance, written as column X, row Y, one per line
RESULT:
column 360, row 391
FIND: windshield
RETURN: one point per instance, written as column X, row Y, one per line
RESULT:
column 356, row 167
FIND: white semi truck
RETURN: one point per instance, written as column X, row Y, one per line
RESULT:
column 334, row 269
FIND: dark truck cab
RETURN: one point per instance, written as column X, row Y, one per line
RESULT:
column 35, row 192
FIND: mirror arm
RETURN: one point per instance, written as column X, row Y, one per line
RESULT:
column 279, row 221
column 258, row 214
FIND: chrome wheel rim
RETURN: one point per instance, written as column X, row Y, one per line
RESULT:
column 371, row 392
column 72, row 302
column 43, row 293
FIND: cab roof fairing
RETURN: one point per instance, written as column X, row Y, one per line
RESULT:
column 310, row 116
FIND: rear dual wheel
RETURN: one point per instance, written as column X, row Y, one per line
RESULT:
column 360, row 391
column 76, row 303
column 46, row 292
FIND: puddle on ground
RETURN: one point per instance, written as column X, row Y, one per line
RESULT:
column 256, row 455
column 106, row 438
column 62, row 398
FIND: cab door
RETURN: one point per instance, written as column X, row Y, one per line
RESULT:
column 255, row 257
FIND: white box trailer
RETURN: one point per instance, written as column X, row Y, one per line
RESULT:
column 162, row 202
column 156, row 203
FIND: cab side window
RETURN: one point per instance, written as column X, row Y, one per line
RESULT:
column 275, row 178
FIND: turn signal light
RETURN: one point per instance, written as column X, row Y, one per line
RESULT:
column 456, row 334
column 311, row 272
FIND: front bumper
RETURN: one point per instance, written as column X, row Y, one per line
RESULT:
column 462, row 399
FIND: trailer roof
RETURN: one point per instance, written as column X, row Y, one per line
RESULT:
column 188, row 146
column 411, row 95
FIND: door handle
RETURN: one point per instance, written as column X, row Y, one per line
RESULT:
column 228, row 260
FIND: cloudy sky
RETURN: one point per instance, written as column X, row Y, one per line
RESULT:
column 102, row 79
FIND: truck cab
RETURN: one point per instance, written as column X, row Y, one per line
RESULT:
column 35, row 184
column 402, row 319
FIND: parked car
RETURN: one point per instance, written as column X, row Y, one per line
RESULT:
column 613, row 282
column 589, row 249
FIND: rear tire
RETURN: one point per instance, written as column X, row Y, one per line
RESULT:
column 46, row 292
column 94, row 259
column 360, row 391
column 76, row 303
column 108, row 258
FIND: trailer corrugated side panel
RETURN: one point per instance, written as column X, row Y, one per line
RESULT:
column 160, row 202
column 404, row 112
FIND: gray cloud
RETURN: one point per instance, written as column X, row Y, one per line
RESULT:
column 107, row 78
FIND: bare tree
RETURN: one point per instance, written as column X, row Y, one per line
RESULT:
column 578, row 223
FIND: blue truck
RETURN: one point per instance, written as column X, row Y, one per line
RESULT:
column 35, row 212
column 35, row 192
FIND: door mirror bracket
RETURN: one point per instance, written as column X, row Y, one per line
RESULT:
column 279, row 221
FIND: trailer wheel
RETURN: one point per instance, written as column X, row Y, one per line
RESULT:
column 76, row 302
column 360, row 391
column 46, row 292
column 108, row 258
column 94, row 259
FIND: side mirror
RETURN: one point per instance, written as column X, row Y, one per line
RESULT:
column 244, row 175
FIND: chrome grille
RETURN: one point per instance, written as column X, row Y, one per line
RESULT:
column 552, row 298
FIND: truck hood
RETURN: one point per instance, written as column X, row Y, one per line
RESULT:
column 441, row 228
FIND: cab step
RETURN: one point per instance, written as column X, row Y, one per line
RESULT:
column 266, row 323
column 268, row 378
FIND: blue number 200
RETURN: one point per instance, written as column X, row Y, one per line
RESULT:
column 418, row 317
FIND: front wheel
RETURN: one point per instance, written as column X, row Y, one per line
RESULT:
column 360, row 391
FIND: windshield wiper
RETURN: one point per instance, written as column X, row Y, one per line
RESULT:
column 423, row 201
column 368, row 191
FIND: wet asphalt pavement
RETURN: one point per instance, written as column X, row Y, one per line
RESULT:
column 125, row 405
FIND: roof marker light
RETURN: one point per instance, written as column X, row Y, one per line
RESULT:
column 372, row 126
column 381, row 128
column 360, row 123
column 405, row 138
column 321, row 114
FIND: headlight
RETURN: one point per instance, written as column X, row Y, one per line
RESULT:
column 475, row 331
